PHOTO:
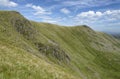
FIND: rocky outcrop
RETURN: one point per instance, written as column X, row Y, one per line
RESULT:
column 54, row 52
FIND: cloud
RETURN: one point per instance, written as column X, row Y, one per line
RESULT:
column 76, row 5
column 65, row 11
column 77, row 2
column 89, row 14
column 50, row 21
column 39, row 10
column 89, row 3
column 97, row 17
column 8, row 3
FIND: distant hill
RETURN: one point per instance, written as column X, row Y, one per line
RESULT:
column 32, row 50
column 116, row 35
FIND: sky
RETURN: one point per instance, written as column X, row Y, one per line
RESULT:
column 101, row 15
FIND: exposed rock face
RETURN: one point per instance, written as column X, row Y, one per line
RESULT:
column 53, row 51
column 23, row 27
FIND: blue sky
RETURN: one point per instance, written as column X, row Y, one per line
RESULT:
column 101, row 15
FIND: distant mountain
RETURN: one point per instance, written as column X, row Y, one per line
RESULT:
column 32, row 50
column 116, row 35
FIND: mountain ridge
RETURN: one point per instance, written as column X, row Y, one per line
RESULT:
column 87, row 53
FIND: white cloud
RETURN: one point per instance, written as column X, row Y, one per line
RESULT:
column 8, row 3
column 89, row 14
column 43, row 14
column 39, row 10
column 98, row 17
column 65, row 11
column 88, row 3
column 77, row 2
column 50, row 21
column 44, row 17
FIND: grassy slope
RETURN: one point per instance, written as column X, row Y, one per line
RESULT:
column 89, row 54
column 79, row 42
column 16, row 63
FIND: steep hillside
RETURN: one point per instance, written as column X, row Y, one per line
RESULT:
column 32, row 50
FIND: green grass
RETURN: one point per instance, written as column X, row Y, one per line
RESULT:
column 16, row 63
column 32, row 50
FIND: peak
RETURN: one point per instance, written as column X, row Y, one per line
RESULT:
column 7, row 12
column 83, row 27
column 9, row 15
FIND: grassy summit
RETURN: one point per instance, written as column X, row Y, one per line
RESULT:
column 32, row 50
